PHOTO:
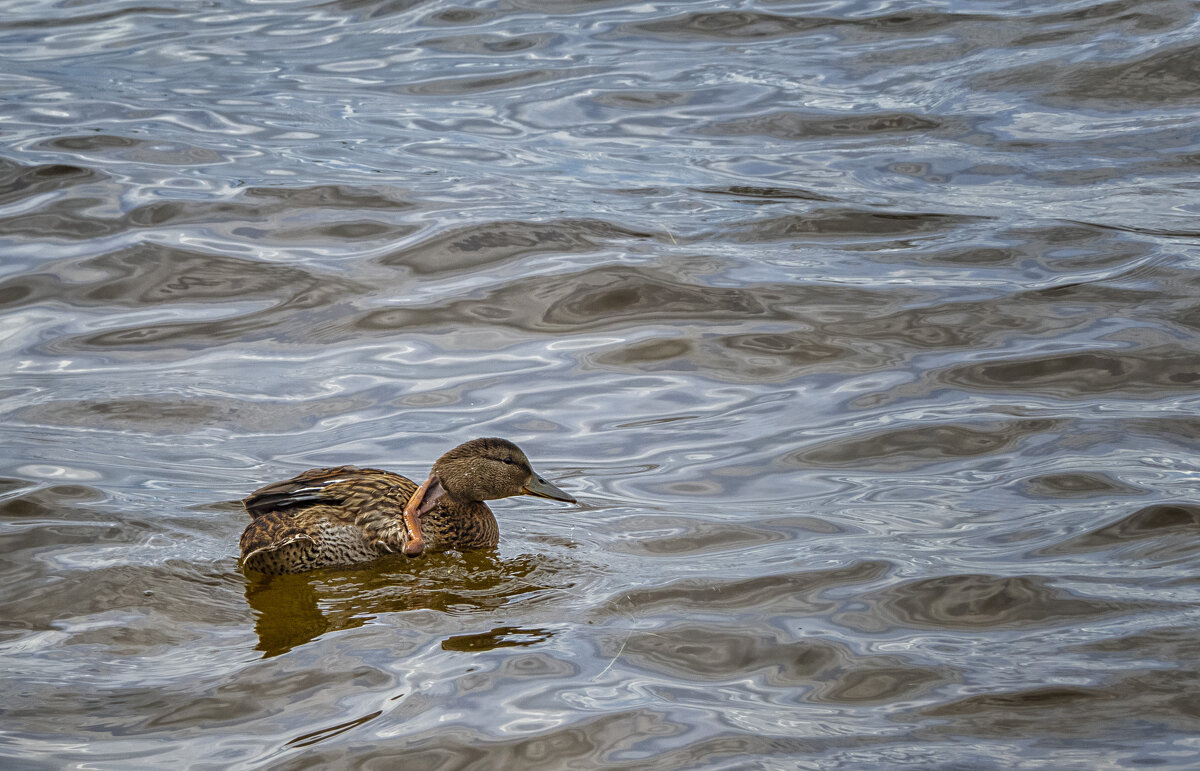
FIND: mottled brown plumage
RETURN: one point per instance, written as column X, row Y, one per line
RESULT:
column 339, row 516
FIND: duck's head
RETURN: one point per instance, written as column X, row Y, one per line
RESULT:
column 478, row 470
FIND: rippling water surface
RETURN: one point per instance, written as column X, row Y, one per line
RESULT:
column 864, row 332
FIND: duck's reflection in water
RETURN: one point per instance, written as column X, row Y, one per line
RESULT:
column 295, row 609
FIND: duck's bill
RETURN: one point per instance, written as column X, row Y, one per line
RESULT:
column 543, row 489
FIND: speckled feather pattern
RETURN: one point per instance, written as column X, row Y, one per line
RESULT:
column 345, row 515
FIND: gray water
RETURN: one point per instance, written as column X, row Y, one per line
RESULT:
column 864, row 332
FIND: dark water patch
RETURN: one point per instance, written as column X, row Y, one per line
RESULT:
column 42, row 525
column 46, row 502
column 795, row 349
column 59, row 519
column 609, row 739
column 795, row 125
column 642, row 100
column 801, row 591
column 492, row 44
column 1188, row 317
column 945, row 325
column 65, row 218
column 846, row 330
column 90, row 142
column 745, row 26
column 484, row 84
column 1174, row 525
column 813, row 670
column 755, row 194
column 233, row 214
column 1079, row 484
column 1180, row 430
column 605, row 295
column 1082, row 375
column 1167, row 77
column 963, row 36
column 478, row 246
column 133, row 605
column 846, row 223
column 18, row 182
column 756, row 357
column 89, row 19
column 671, row 535
column 1182, row 232
column 1053, row 247
column 356, row 230
column 1172, row 643
column 608, row 297
column 647, row 351
column 157, row 415
column 354, row 197
column 731, row 25
column 143, row 151
column 272, row 210
column 209, row 702
column 907, row 449
column 12, row 485
column 372, row 9
column 1016, row 710
column 500, row 637
column 1058, row 710
column 455, row 16
column 152, row 274
column 1134, row 19
column 975, row 602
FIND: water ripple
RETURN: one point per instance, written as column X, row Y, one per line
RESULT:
column 864, row 335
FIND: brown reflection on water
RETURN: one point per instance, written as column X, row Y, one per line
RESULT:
column 292, row 610
column 500, row 637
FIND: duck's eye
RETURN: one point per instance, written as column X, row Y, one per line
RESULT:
column 509, row 461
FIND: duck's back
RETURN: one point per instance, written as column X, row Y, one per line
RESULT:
column 325, row 517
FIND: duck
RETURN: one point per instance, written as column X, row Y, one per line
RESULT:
column 344, row 515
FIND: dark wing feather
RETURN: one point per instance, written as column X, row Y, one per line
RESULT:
column 348, row 487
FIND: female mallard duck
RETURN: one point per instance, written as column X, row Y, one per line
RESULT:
column 327, row 517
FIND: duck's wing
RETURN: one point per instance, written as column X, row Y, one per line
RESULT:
column 351, row 490
column 269, row 532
